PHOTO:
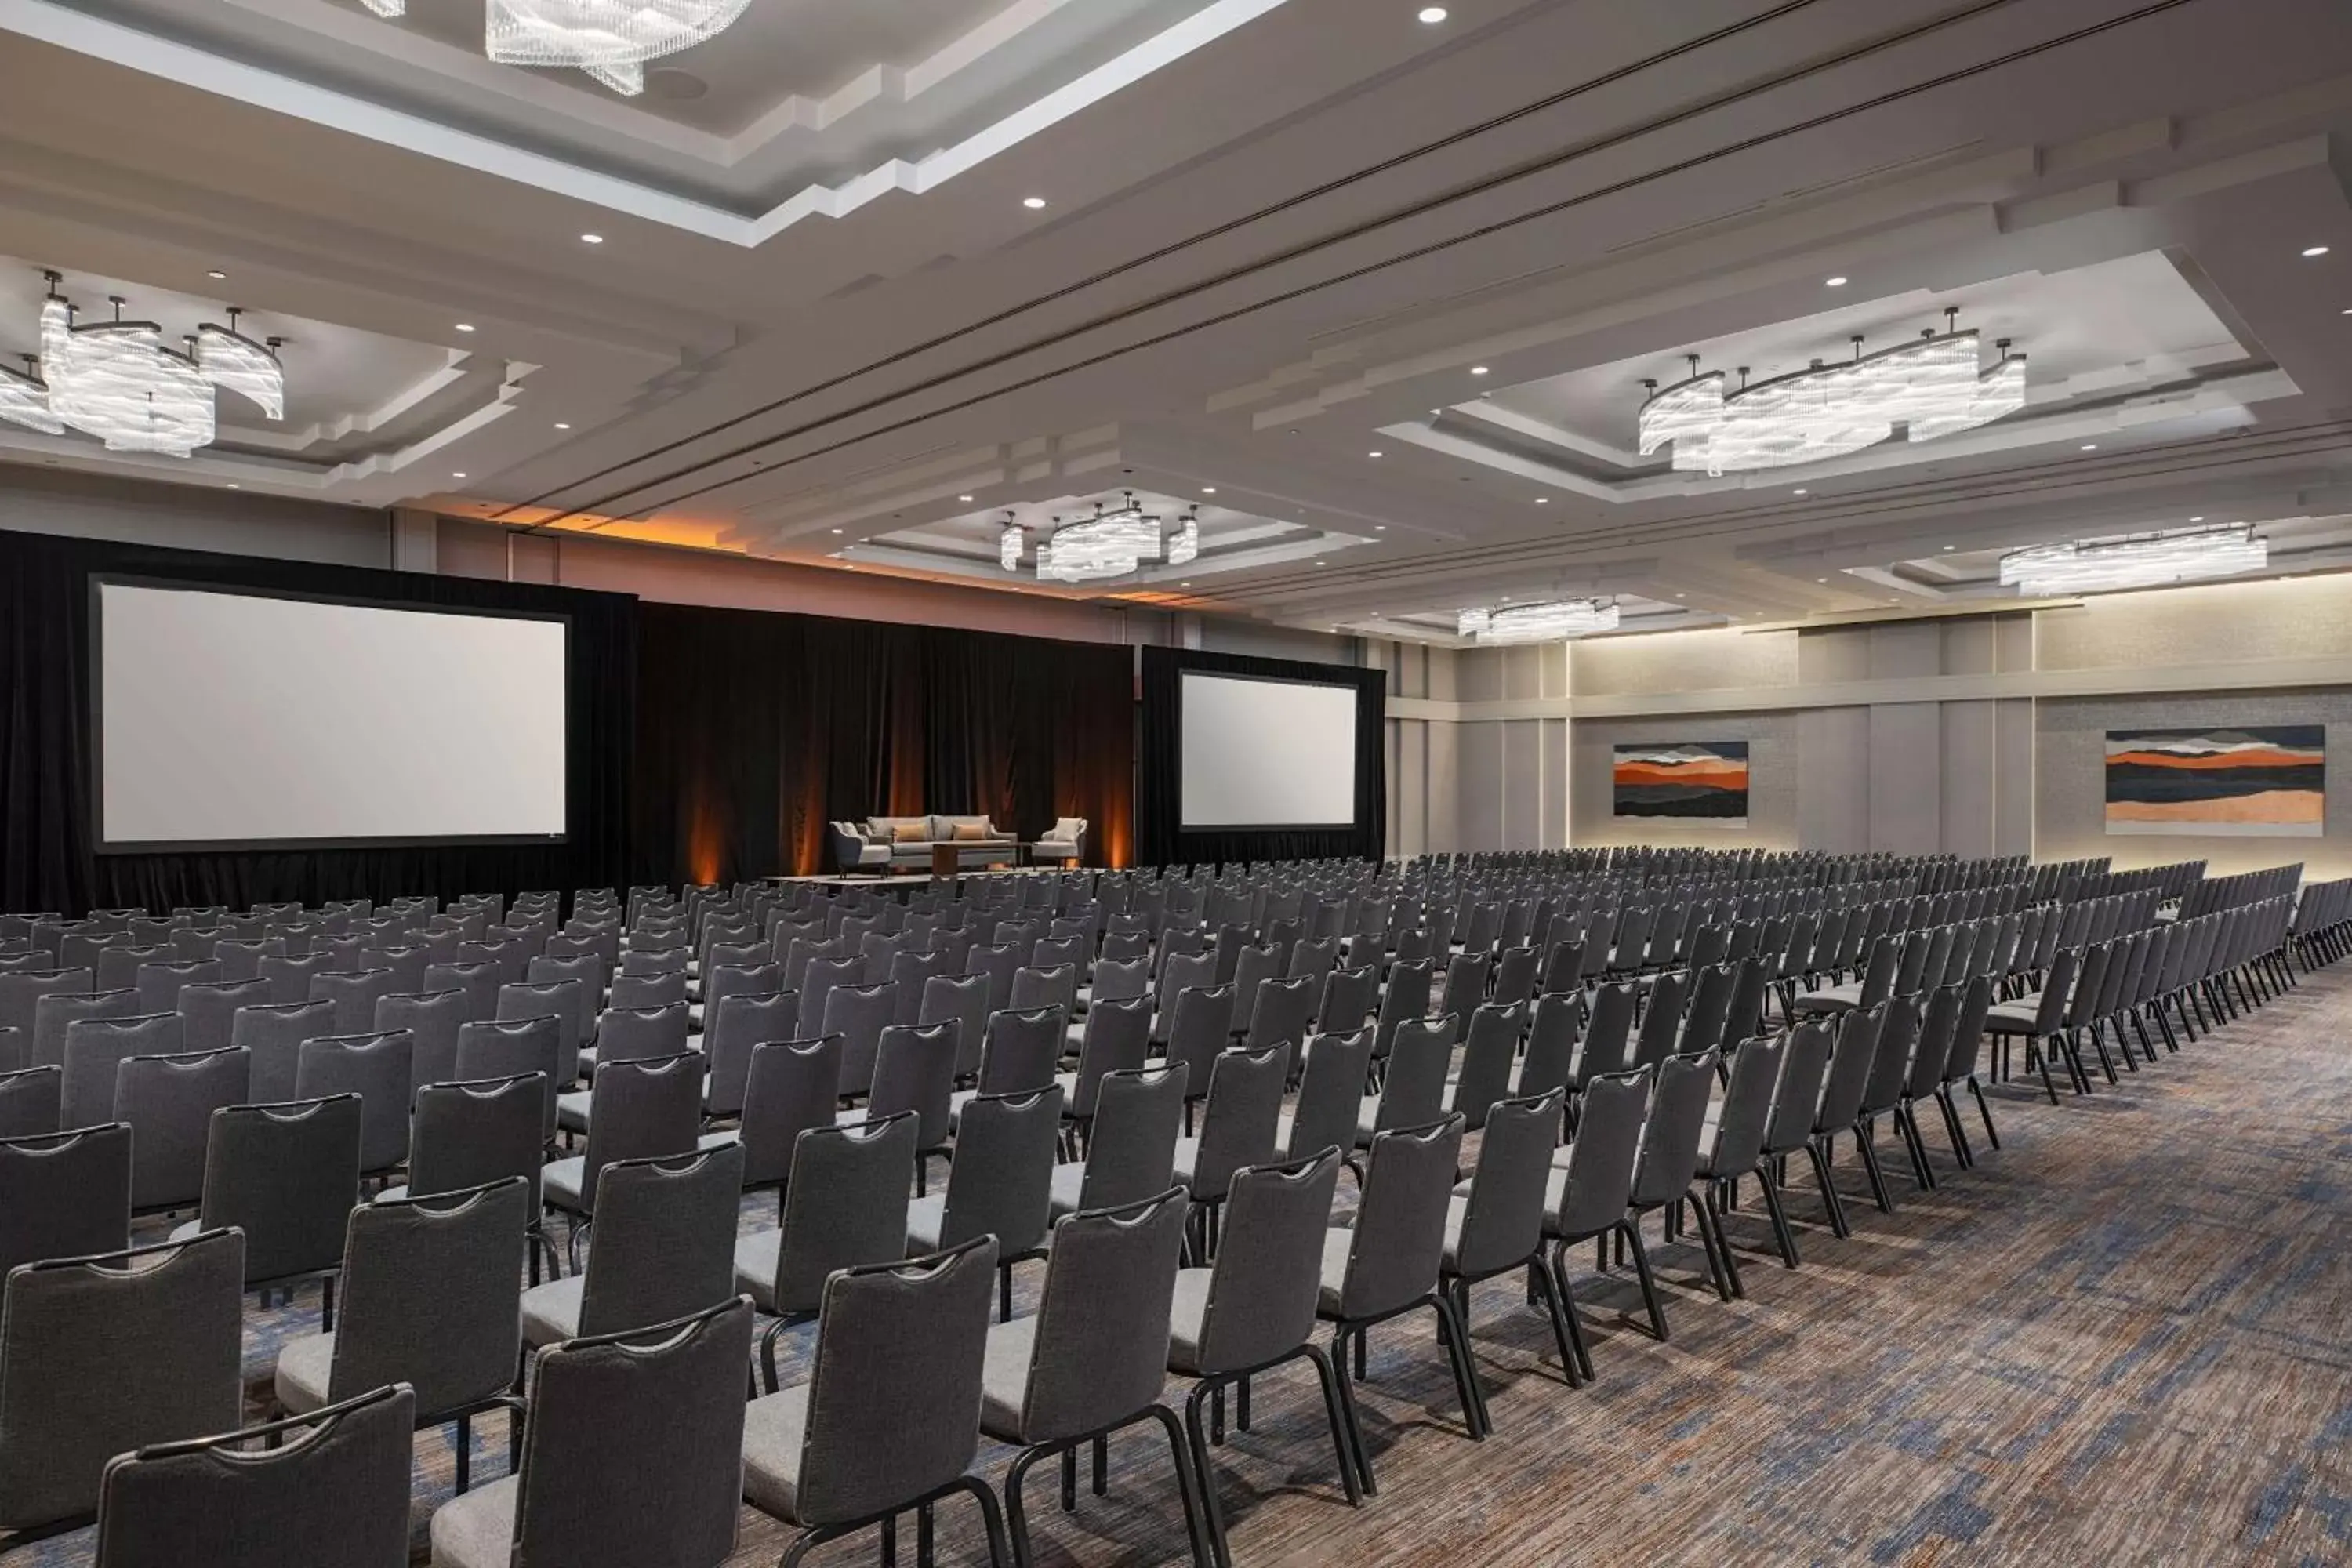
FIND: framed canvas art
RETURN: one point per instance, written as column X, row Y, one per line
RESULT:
column 1703, row 784
column 2265, row 781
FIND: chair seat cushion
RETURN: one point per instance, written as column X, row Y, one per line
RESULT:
column 2016, row 1017
column 1336, row 1247
column 571, row 1111
column 1830, row 999
column 551, row 1311
column 756, row 1255
column 1366, row 1118
column 1004, row 1378
column 1187, row 1159
column 477, row 1530
column 1457, row 1209
column 303, row 1368
column 773, row 1430
column 560, row 1181
column 1187, row 1315
column 925, row 1216
column 1069, row 1181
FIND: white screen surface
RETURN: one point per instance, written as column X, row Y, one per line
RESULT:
column 1267, row 753
column 230, row 718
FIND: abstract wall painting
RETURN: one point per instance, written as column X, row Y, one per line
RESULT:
column 2265, row 781
column 1703, row 784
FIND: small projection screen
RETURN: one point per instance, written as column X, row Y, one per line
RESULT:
column 1267, row 754
column 232, row 720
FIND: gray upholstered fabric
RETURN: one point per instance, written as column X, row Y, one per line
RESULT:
column 1598, row 1167
column 892, row 1407
column 732, row 1026
column 914, row 1071
column 30, row 1098
column 1097, row 1350
column 1282, row 1012
column 1398, row 1238
column 790, row 1087
column 1670, row 1138
column 557, row 999
column 95, row 1051
column 641, row 1109
column 628, row 1034
column 1805, row 1059
column 64, row 1195
column 1132, row 1148
column 859, row 1013
column 67, row 1332
column 354, row 993
column 479, row 982
column 430, row 1291
column 1023, row 1049
column 337, row 1492
column 845, row 1204
column 1001, row 1178
column 639, row 992
column 289, row 975
column 208, row 1011
column 815, row 984
column 1240, row 1124
column 663, row 1245
column 21, row 990
column 56, row 1012
column 1734, row 1140
column 963, row 998
column 1257, row 1304
column 1548, row 1057
column 1850, row 1067
column 1502, row 1223
column 630, row 1460
column 273, row 1033
column 468, row 1134
column 588, row 968
column 159, row 983
column 1117, row 1035
column 487, row 1049
column 378, row 1069
column 1412, row 1094
column 432, row 1019
column 169, row 1102
column 1488, row 1054
column 287, row 1175
column 405, row 962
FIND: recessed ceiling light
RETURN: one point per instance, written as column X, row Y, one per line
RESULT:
column 1322, row 563
column 2196, row 520
column 837, row 530
column 1432, row 15
column 1185, row 584
column 2314, row 250
column 1821, row 579
column 1543, row 500
column 560, row 424
column 1947, row 547
column 1371, row 454
column 2090, row 445
column 1838, row 282
column 1799, row 490
column 1380, row 528
column 964, row 498
column 1477, row 370
column 1208, row 489
column 223, row 277
column 1033, row 202
column 1678, row 595
column 591, row 239
column 459, row 475
column 465, row 326
column 234, row 485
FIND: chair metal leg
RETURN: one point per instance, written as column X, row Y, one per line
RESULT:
column 1205, row 1468
column 1632, row 1231
column 1583, row 1361
column 1952, row 1129
column 1727, row 1284
column 1770, row 1180
column 1454, row 1332
column 1985, row 1110
column 1865, row 1145
column 464, row 1453
column 1819, row 1151
column 1203, row 1556
column 1352, row 1423
column 1330, row 1377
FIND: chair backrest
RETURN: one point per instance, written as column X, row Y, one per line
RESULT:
column 380, row 1070
column 21, row 990
column 430, row 1294
column 1022, row 1049
column 914, row 1069
column 208, row 1011
column 1939, row 1019
column 557, row 999
column 845, row 1204
column 642, row 1109
column 1239, row 1127
column 1805, row 1065
column 354, row 992
column 963, row 999
column 1661, row 1026
column 1503, row 1223
column 1100, row 1350
column 286, row 1176
column 625, row 1033
column 1348, row 1000
column 1547, row 1058
column 1607, row 1045
column 646, row 991
column 790, row 1087
column 1331, row 1088
column 95, row 1049
column 1267, row 1279
column 859, row 1013
column 1407, row 997
column 1283, row 1010
column 1670, row 1140
column 1412, row 1091
column 1201, row 1031
column 273, row 1034
column 471, row 1133
column 64, row 1195
column 1398, row 1239
column 1002, row 1179
column 1117, row 1036
column 1115, row 981
column 30, row 1098
column 664, row 1240
column 159, row 983
column 633, row 1453
column 118, row 965
column 1747, row 1112
column 588, row 968
column 488, row 1048
column 69, row 1327
column 431, row 1020
column 1132, row 1148
column 1487, row 1056
column 1850, row 1067
column 332, row 1488
column 733, row 1027
column 1598, row 1181
column 478, row 980
column 1968, row 1031
column 169, row 1102
column 894, row 1395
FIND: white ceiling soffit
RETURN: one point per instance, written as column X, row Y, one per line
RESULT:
column 1020, row 68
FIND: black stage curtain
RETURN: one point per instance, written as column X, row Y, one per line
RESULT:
column 47, row 838
column 1159, row 812
column 755, row 728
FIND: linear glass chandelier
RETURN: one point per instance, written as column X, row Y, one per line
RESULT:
column 1549, row 622
column 123, row 383
column 2135, row 561
column 610, row 39
column 1112, row 543
column 1928, row 388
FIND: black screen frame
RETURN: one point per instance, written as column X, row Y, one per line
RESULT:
column 101, row 844
column 1186, row 826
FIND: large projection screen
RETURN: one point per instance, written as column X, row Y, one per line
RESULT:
column 232, row 720
column 1267, row 754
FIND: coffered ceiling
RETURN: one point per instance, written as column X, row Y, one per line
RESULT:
column 1377, row 296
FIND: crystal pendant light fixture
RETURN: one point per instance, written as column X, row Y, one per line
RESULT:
column 1549, row 622
column 1930, row 388
column 610, row 39
column 1008, row 546
column 25, row 399
column 1112, row 543
column 2134, row 561
column 1186, row 547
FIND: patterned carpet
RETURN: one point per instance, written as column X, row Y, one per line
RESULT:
column 2125, row 1337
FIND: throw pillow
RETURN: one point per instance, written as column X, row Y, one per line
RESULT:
column 910, row 833
column 970, row 833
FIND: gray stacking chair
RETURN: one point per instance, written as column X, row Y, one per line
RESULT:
column 332, row 1486
column 1044, row 985
column 645, row 1109
column 627, row 1033
column 1731, row 1144
column 431, row 1020
column 1254, row 1309
column 169, row 1101
column 20, row 992
column 30, row 1103
column 1281, row 1012
column 64, row 1195
column 1202, row 1030
column 790, row 1087
column 56, row 1013
column 816, row 987
column 889, row 1422
column 1116, row 1037
column 1882, row 1091
column 1840, row 1104
column 16, row 1049
column 1960, row 1067
column 1668, row 1166
column 69, row 1327
column 1496, row 1226
column 1131, row 1151
column 1023, row 1049
column 1001, row 1185
column 1387, row 1265
column 912, row 973
column 1489, row 1055
column 964, row 999
column 380, row 1070
column 1331, row 1088
column 1094, row 1358
column 431, row 1300
column 354, row 994
column 286, row 1176
column 159, row 983
column 733, row 1026
column 632, row 1457
column 587, row 968
column 492, row 1049
column 859, row 1013
column 208, row 1011
column 273, row 1034
column 95, row 1051
column 557, row 999
column 845, row 1204
column 1661, row 1028
column 1804, row 1067
column 405, row 962
column 479, row 982
column 1924, row 1075
column 1592, row 1184
column 1238, row 1130
column 1180, row 972
column 665, row 1231
column 2040, row 1019
column 1547, row 1059
column 914, row 1069
column 289, row 975
column 635, row 991
column 1413, row 1089
column 469, row 1134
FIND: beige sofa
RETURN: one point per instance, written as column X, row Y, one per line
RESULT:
column 877, row 844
